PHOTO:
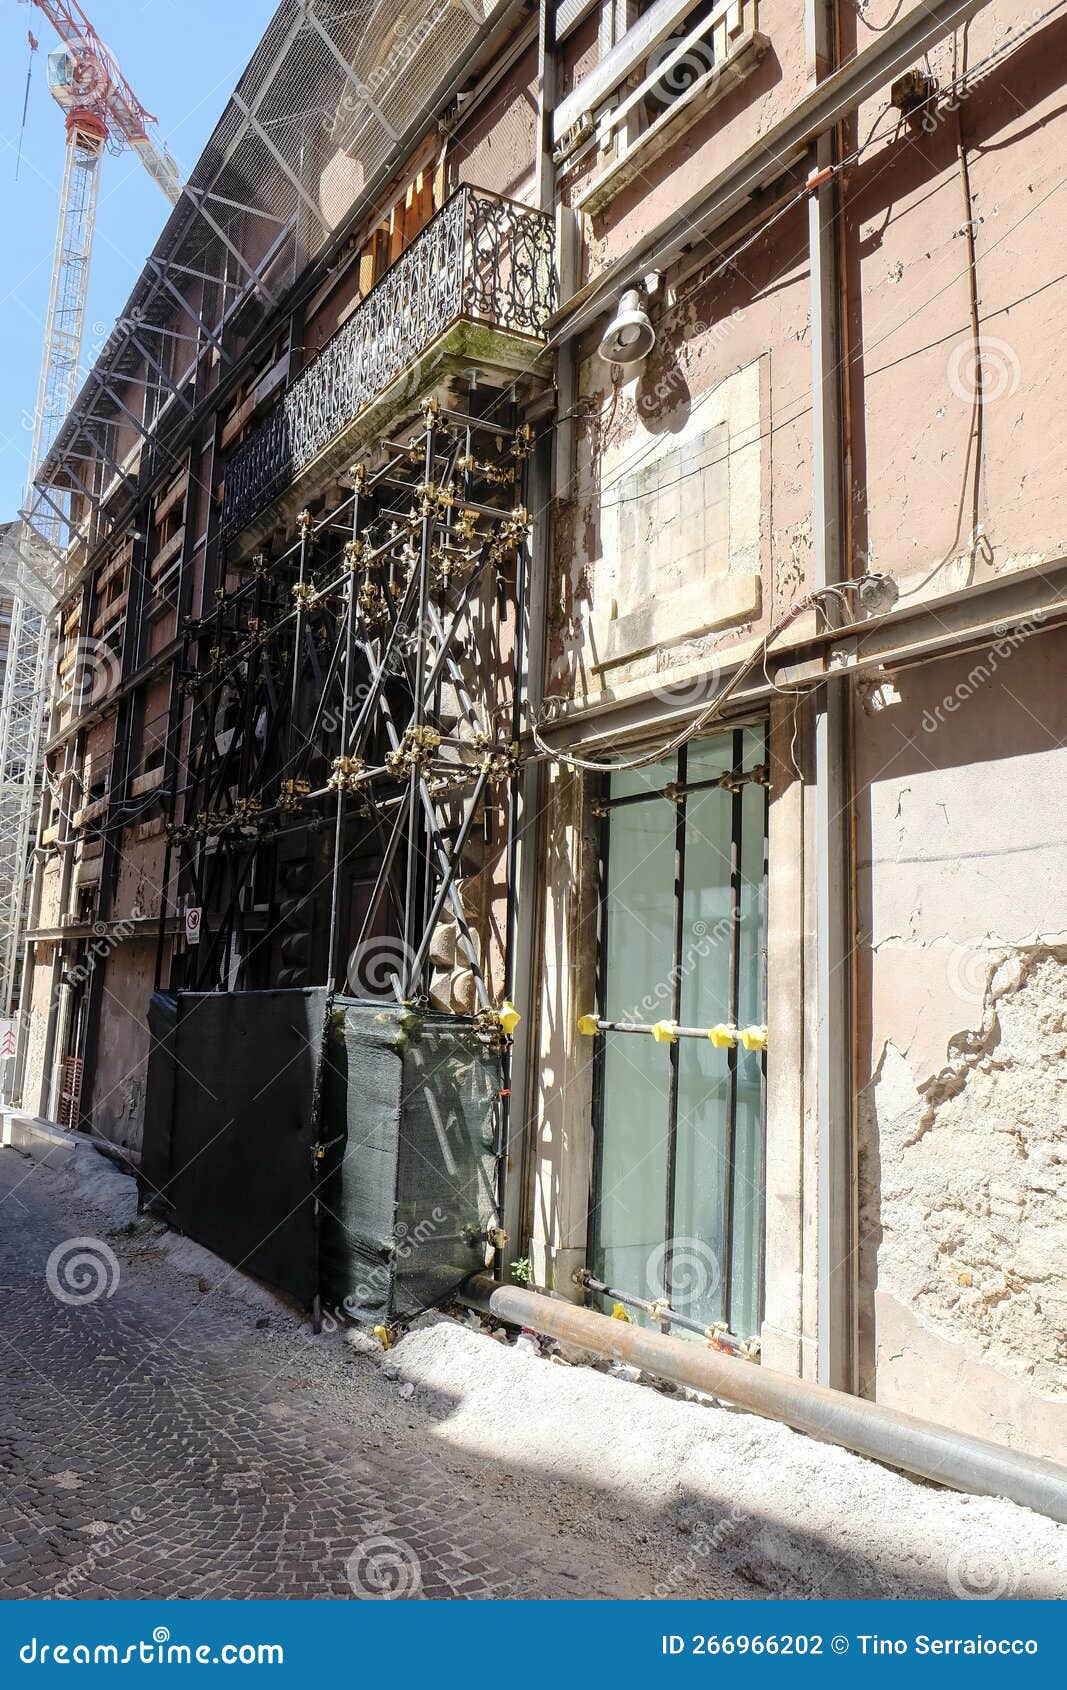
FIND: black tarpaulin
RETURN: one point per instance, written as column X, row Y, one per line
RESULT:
column 264, row 1107
column 236, row 1169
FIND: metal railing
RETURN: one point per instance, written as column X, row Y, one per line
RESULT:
column 481, row 258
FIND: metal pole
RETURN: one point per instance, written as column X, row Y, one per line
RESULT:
column 730, row 1146
column 448, row 879
column 881, row 1434
column 835, row 1338
column 339, row 823
column 674, row 1054
column 298, row 637
column 418, row 715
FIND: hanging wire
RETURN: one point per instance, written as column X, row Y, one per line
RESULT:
column 34, row 44
column 701, row 722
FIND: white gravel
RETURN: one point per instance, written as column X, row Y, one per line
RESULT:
column 708, row 1500
column 800, row 1518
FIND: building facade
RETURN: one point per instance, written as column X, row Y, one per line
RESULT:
column 704, row 706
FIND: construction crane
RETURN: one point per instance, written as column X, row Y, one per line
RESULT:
column 102, row 113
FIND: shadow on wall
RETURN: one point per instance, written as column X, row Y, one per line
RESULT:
column 962, row 957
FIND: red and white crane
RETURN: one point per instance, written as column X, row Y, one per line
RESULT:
column 101, row 109
column 102, row 113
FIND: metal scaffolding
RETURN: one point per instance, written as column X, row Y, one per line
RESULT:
column 361, row 688
column 24, row 701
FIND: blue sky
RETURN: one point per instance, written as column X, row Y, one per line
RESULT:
column 182, row 58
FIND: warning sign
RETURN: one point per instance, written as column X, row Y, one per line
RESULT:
column 8, row 1035
column 192, row 927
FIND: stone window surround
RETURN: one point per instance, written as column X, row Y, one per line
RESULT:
column 602, row 108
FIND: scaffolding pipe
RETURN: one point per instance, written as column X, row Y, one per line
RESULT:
column 882, row 1434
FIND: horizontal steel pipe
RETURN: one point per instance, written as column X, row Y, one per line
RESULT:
column 882, row 1434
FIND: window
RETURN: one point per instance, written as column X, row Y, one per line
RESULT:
column 678, row 1181
column 672, row 65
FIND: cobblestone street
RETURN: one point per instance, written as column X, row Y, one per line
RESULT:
column 155, row 1446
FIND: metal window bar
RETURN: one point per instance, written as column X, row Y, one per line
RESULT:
column 603, row 804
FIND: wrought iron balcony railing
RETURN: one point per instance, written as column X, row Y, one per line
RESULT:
column 481, row 259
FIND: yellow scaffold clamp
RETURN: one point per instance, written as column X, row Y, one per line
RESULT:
column 589, row 1025
column 724, row 1036
column 495, row 1026
column 665, row 1032
column 754, row 1038
column 509, row 1017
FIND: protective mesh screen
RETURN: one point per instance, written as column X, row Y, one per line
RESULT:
column 406, row 1136
column 317, row 114
column 413, row 1100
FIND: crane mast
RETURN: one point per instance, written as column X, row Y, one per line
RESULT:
column 99, row 107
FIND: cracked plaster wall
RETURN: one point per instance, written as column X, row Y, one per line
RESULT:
column 962, row 870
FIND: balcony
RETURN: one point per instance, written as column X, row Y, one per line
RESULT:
column 476, row 287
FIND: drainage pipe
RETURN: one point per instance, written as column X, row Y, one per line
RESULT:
column 882, row 1434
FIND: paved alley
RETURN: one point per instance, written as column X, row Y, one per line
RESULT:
column 154, row 1445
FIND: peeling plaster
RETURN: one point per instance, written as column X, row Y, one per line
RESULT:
column 963, row 1180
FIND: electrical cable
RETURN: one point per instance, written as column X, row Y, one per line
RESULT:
column 975, row 73
column 974, row 456
column 706, row 716
column 960, row 79
column 34, row 44
column 877, row 28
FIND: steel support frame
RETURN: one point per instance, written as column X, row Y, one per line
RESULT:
column 347, row 651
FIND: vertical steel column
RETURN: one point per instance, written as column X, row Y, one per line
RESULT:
column 349, row 614
column 674, row 1048
column 419, row 713
column 298, row 637
column 55, row 1027
column 525, row 948
column 836, row 1348
column 765, row 870
column 112, row 828
column 603, row 870
column 734, row 988
column 526, row 945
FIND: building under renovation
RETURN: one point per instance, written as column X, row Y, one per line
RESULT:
column 557, row 757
